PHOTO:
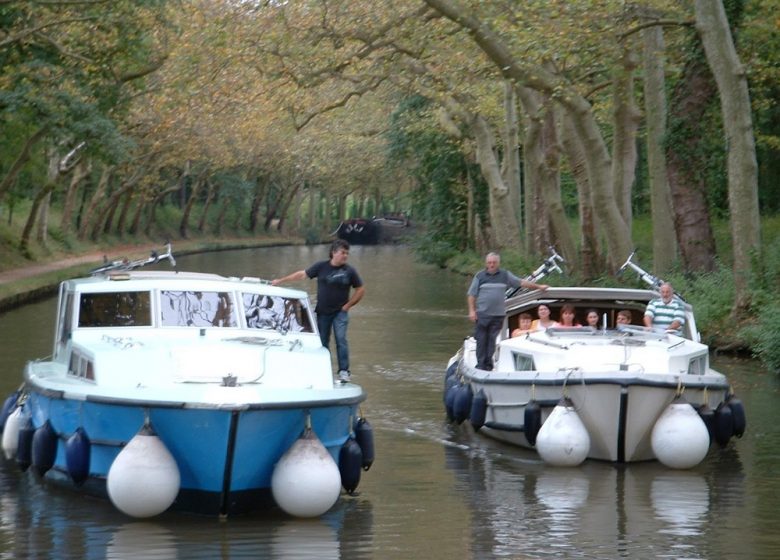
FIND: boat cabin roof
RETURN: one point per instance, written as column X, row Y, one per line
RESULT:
column 143, row 280
column 165, row 300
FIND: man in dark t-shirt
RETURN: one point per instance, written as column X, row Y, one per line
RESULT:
column 339, row 288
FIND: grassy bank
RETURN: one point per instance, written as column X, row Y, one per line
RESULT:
column 40, row 277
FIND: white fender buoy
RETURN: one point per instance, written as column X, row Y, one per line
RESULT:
column 680, row 439
column 16, row 420
column 563, row 440
column 306, row 481
column 144, row 479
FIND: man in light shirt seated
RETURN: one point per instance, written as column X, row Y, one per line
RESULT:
column 666, row 313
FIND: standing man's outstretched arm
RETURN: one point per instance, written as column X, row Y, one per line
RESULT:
column 297, row 275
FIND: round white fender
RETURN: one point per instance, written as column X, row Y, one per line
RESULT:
column 144, row 479
column 680, row 439
column 306, row 481
column 15, row 421
column 563, row 440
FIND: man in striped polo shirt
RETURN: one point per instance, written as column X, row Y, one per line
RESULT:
column 667, row 312
column 487, row 310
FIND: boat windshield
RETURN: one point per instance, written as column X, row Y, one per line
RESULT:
column 115, row 309
column 276, row 313
column 197, row 309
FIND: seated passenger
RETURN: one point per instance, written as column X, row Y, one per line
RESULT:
column 623, row 317
column 667, row 312
column 567, row 317
column 543, row 322
column 524, row 325
column 592, row 318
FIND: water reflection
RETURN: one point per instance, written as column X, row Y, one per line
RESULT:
column 300, row 539
column 595, row 510
column 142, row 540
column 37, row 520
column 681, row 501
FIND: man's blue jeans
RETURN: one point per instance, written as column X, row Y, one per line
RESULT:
column 338, row 322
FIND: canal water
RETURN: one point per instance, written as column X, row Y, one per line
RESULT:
column 435, row 491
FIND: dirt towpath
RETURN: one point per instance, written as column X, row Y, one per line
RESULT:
column 96, row 258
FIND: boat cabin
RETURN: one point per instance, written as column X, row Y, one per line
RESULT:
column 607, row 303
column 156, row 310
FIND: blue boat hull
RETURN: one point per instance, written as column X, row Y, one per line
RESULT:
column 225, row 457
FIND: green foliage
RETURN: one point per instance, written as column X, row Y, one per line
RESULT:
column 764, row 336
column 312, row 236
column 442, row 176
column 433, row 251
column 712, row 296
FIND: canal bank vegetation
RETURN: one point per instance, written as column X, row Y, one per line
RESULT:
column 754, row 334
column 594, row 127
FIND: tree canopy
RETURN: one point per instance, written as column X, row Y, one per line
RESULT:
column 495, row 124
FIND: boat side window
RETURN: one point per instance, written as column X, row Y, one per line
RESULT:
column 80, row 366
column 115, row 309
column 523, row 362
column 197, row 309
column 276, row 313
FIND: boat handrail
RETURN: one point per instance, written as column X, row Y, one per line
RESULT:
column 535, row 338
column 642, row 332
column 550, row 264
column 653, row 281
column 125, row 264
column 580, row 330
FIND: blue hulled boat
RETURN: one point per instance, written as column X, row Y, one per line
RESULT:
column 188, row 391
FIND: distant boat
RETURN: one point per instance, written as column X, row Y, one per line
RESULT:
column 371, row 231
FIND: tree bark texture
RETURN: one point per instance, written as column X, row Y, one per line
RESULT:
column 94, row 201
column 592, row 265
column 510, row 163
column 542, row 154
column 617, row 233
column 503, row 220
column 210, row 193
column 197, row 184
column 52, row 174
column 664, row 237
column 80, row 172
column 626, row 118
column 689, row 102
column 713, row 26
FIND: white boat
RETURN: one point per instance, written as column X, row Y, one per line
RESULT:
column 189, row 391
column 620, row 393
